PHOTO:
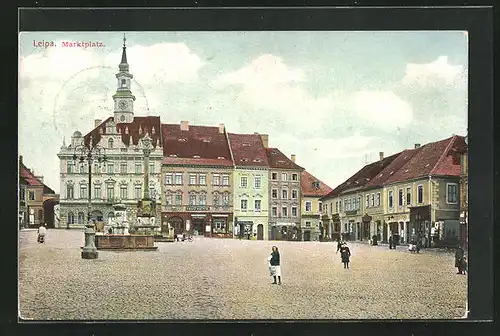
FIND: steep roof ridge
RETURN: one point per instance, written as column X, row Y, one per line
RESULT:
column 230, row 148
column 443, row 155
column 390, row 167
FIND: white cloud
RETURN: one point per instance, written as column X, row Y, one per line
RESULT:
column 383, row 109
column 266, row 70
column 270, row 87
column 435, row 74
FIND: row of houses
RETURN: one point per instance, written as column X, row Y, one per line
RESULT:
column 36, row 201
column 413, row 194
column 206, row 181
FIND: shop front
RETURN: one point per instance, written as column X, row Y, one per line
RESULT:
column 197, row 224
column 336, row 226
column 366, row 226
column 420, row 226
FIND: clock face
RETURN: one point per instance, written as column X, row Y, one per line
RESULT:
column 122, row 118
column 123, row 105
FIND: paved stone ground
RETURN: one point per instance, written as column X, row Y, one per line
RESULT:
column 229, row 279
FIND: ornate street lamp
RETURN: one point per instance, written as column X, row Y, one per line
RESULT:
column 89, row 154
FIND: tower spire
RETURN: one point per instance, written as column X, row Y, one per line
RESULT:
column 123, row 64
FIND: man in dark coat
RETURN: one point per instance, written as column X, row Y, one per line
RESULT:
column 345, row 254
column 390, row 241
column 459, row 259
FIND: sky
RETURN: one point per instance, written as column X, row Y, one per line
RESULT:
column 335, row 99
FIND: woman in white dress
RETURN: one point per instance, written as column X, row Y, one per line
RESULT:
column 275, row 268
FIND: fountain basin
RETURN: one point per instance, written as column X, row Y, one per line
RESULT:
column 125, row 242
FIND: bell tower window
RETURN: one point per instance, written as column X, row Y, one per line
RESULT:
column 124, row 83
column 110, row 143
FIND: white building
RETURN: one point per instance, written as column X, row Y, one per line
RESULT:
column 121, row 178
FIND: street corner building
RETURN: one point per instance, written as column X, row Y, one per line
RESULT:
column 37, row 203
column 312, row 227
column 411, row 195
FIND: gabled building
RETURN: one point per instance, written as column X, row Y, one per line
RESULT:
column 197, row 180
column 312, row 190
column 36, row 200
column 121, row 178
column 250, row 185
column 375, row 196
column 347, row 202
column 423, row 197
column 284, row 196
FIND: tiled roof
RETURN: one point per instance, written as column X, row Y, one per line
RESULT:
column 402, row 159
column 130, row 132
column 279, row 160
column 31, row 180
column 199, row 142
column 363, row 176
column 435, row 158
column 28, row 176
column 248, row 150
column 197, row 162
column 309, row 186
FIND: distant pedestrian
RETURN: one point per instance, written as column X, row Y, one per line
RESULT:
column 345, row 255
column 459, row 259
column 339, row 245
column 42, row 231
column 464, row 265
column 390, row 242
column 275, row 265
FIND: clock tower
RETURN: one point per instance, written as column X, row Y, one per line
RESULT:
column 123, row 98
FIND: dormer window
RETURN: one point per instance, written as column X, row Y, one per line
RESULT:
column 196, row 156
column 281, row 161
column 427, row 165
column 244, row 160
column 257, row 160
column 220, row 157
column 391, row 173
column 101, row 131
column 182, row 140
column 380, row 175
column 206, row 140
column 172, row 155
column 406, row 171
column 246, row 144
column 124, row 83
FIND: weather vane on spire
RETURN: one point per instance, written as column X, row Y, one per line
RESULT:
column 124, row 39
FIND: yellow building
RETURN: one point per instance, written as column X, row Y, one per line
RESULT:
column 311, row 224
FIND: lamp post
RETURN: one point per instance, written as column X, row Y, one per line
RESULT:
column 90, row 154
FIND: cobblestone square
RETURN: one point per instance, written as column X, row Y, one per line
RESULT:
column 229, row 279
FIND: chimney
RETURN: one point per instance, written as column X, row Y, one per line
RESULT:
column 381, row 154
column 184, row 125
column 97, row 122
column 265, row 140
column 417, row 145
column 40, row 178
column 221, row 128
column 293, row 157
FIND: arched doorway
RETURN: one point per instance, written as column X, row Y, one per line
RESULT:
column 177, row 224
column 260, row 232
column 48, row 212
column 307, row 235
column 274, row 233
